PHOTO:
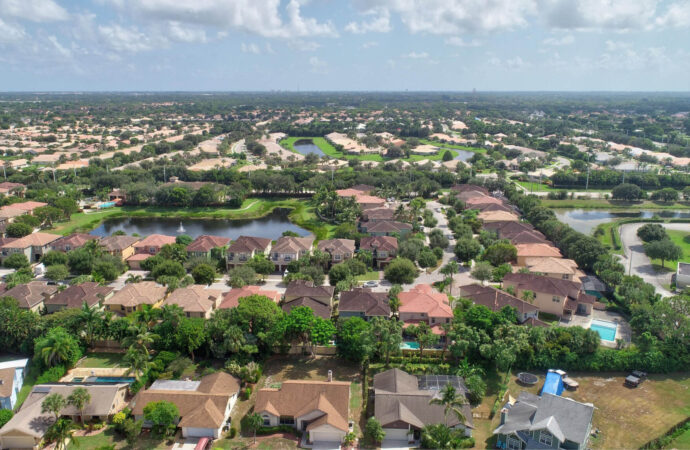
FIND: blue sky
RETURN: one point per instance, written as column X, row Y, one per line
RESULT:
column 344, row 45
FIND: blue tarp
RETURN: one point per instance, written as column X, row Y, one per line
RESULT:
column 553, row 384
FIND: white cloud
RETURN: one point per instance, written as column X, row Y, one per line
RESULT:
column 181, row 33
column 515, row 63
column 318, row 65
column 416, row 55
column 303, row 46
column 616, row 46
column 122, row 39
column 250, row 48
column 380, row 23
column 568, row 39
column 677, row 15
column 460, row 42
column 65, row 52
column 33, row 10
column 261, row 17
column 10, row 33
column 619, row 15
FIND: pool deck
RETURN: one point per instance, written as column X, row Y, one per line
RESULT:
column 623, row 330
column 85, row 372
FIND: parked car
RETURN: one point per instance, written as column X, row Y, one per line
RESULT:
column 371, row 284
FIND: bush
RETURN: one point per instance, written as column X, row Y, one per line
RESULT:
column 57, row 272
column 233, row 433
column 179, row 365
column 16, row 261
column 18, row 230
column 5, row 416
column 51, row 375
column 400, row 271
column 373, row 431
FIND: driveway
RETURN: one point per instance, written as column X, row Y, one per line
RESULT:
column 641, row 265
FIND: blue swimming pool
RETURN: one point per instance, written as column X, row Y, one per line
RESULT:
column 408, row 345
column 606, row 330
column 109, row 380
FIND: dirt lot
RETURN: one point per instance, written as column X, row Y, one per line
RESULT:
column 626, row 418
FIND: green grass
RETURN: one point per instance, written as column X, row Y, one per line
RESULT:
column 682, row 240
column 453, row 146
column 109, row 437
column 102, row 360
column 605, row 236
column 372, row 275
column 536, row 187
column 613, row 204
column 29, row 381
column 549, row 318
column 682, row 441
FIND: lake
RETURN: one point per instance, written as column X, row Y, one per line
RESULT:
column 586, row 220
column 270, row 226
column 463, row 155
column 306, row 146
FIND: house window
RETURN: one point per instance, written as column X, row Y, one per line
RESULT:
column 336, row 257
column 152, row 249
column 566, row 276
column 68, row 248
column 267, row 421
column 433, row 320
column 287, row 420
column 231, row 255
column 514, row 443
column 556, row 299
column 188, row 314
column 288, row 258
column 545, row 438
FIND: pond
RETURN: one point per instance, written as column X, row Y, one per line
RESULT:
column 270, row 226
column 307, row 146
column 586, row 220
column 463, row 155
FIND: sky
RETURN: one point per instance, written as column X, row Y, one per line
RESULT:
column 362, row 45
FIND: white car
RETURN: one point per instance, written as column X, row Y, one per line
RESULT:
column 371, row 284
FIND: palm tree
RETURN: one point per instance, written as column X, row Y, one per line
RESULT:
column 172, row 314
column 90, row 318
column 131, row 278
column 254, row 422
column 393, row 299
column 60, row 431
column 53, row 404
column 58, row 350
column 79, row 398
column 139, row 339
column 451, row 402
column 147, row 315
column 138, row 362
column 449, row 270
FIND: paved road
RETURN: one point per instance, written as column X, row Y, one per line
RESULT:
column 641, row 265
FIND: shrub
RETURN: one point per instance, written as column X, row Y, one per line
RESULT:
column 51, row 375
column 5, row 416
column 16, row 261
column 233, row 433
column 373, row 431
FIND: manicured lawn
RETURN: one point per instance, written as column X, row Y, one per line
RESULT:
column 109, row 437
column 327, row 148
column 453, row 146
column 606, row 239
column 102, row 360
column 682, row 441
column 626, row 418
column 681, row 239
column 612, row 204
column 372, row 275
column 262, row 443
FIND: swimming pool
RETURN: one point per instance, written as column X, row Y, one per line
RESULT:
column 606, row 330
column 409, row 345
column 109, row 380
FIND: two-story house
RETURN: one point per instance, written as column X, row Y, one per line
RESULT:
column 290, row 248
column 339, row 249
column 71, row 242
column 31, row 295
column 245, row 248
column 535, row 251
column 201, row 246
column 152, row 244
column 382, row 248
column 195, row 300
column 362, row 302
column 304, row 293
column 120, row 246
column 385, row 228
column 546, row 421
column 73, row 297
column 562, row 298
column 561, row 268
column 496, row 300
column 33, row 246
column 423, row 304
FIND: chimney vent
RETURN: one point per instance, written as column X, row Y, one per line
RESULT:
column 330, row 376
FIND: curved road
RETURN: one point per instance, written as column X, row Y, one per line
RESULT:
column 641, row 265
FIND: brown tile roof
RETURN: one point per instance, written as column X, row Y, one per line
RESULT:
column 386, row 226
column 74, row 296
column 33, row 240
column 73, row 241
column 298, row 398
column 135, row 294
column 118, row 243
column 486, row 207
column 7, row 381
column 483, row 200
column 385, row 243
column 378, row 214
column 495, row 299
column 507, row 229
column 547, row 285
column 423, row 298
column 31, row 294
column 206, row 243
column 194, row 298
column 537, row 250
column 28, row 206
column 552, row 265
column 303, row 288
column 231, row 299
column 366, row 301
column 317, row 307
column 248, row 244
column 528, row 237
column 334, row 246
column 291, row 244
column 155, row 240
column 469, row 187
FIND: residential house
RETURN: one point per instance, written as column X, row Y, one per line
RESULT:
column 562, row 298
column 319, row 408
column 12, row 375
column 131, row 297
column 245, row 248
column 304, row 293
column 290, row 248
column 377, row 214
column 496, row 300
column 120, row 246
column 683, row 275
column 28, row 426
column 201, row 246
column 508, row 229
column 423, row 304
column 487, row 207
column 362, row 302
column 29, row 206
column 402, row 404
column 231, row 298
column 16, row 189
column 534, row 252
column 32, row 295
column 527, row 237
column 497, row 216
column 93, row 294
column 134, row 261
column 546, row 421
column 471, row 188
column 152, row 244
column 118, row 196
column 385, row 228
column 7, row 216
column 33, row 246
column 195, row 300
column 71, row 242
column 204, row 405
column 339, row 249
column 476, row 202
column 565, row 269
column 383, row 248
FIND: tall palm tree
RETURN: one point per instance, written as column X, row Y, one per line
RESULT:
column 60, row 431
column 138, row 362
column 449, row 270
column 91, row 319
column 451, row 402
column 139, row 339
column 53, row 404
column 79, row 398
column 58, row 350
column 147, row 315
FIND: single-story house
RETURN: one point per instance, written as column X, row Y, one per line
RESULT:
column 231, row 298
column 120, row 246
column 362, row 302
column 93, row 294
column 131, row 297
column 245, row 248
column 201, row 246
column 319, row 408
column 204, row 405
column 304, row 293
column 12, row 375
column 546, row 421
column 402, row 404
column 195, row 300
column 32, row 295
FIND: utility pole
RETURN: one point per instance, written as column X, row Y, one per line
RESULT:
column 630, row 262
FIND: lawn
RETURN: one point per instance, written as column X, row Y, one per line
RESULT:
column 453, row 146
column 101, row 360
column 626, row 418
column 372, row 275
column 109, row 437
column 595, row 203
column 682, row 240
column 605, row 236
column 682, row 441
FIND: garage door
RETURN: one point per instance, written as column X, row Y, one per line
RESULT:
column 10, row 442
column 326, row 436
column 198, row 432
column 395, row 434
